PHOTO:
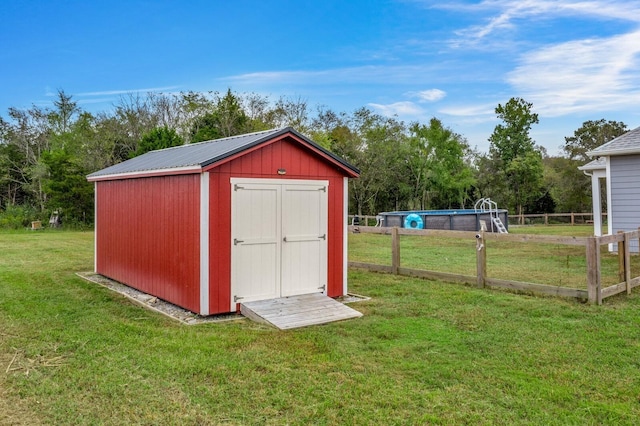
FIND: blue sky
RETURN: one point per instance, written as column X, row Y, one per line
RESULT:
column 455, row 60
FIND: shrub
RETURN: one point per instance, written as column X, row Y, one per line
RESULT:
column 16, row 217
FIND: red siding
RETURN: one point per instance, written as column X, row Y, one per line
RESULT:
column 147, row 235
column 299, row 163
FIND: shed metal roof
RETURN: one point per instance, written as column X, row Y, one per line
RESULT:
column 626, row 144
column 194, row 157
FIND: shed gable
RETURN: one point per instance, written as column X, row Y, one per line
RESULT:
column 280, row 158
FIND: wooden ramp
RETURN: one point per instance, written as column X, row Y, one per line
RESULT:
column 297, row 311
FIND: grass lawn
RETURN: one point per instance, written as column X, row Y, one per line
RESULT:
column 425, row 352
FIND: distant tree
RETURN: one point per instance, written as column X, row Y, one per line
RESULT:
column 376, row 145
column 491, row 180
column 67, row 187
column 515, row 154
column 167, row 109
column 62, row 116
column 231, row 118
column 226, row 119
column 258, row 111
column 30, row 132
column 441, row 175
column 193, row 106
column 12, row 176
column 134, row 116
column 291, row 112
column 569, row 187
column 511, row 138
column 205, row 128
column 324, row 124
column 159, row 138
column 525, row 176
column 380, row 146
column 591, row 135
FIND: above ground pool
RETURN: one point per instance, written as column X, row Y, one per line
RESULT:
column 455, row 220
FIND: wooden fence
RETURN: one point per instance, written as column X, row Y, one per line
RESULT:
column 553, row 218
column 594, row 292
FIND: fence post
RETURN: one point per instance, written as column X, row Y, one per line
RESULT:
column 546, row 219
column 573, row 219
column 481, row 259
column 621, row 255
column 627, row 261
column 593, row 270
column 395, row 251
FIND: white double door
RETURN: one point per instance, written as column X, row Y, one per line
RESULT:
column 278, row 238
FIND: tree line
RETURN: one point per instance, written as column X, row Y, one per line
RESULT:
column 46, row 152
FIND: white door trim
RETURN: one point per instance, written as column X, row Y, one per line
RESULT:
column 259, row 181
column 204, row 244
column 95, row 227
column 345, row 241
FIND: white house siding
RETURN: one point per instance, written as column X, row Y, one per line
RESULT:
column 625, row 194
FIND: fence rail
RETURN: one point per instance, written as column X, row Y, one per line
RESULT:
column 553, row 218
column 593, row 277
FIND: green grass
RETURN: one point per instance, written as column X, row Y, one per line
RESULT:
column 425, row 352
column 567, row 230
column 551, row 264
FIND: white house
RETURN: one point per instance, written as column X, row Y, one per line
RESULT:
column 617, row 162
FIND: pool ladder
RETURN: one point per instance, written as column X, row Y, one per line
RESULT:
column 486, row 205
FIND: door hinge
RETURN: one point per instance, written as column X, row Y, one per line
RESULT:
column 236, row 187
column 323, row 237
column 322, row 287
column 236, row 298
column 237, row 241
column 323, row 189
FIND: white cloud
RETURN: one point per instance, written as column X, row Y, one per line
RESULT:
column 124, row 92
column 501, row 15
column 379, row 74
column 586, row 75
column 431, row 95
column 575, row 76
column 400, row 109
column 478, row 113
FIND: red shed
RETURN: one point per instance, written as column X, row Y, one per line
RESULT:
column 209, row 225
